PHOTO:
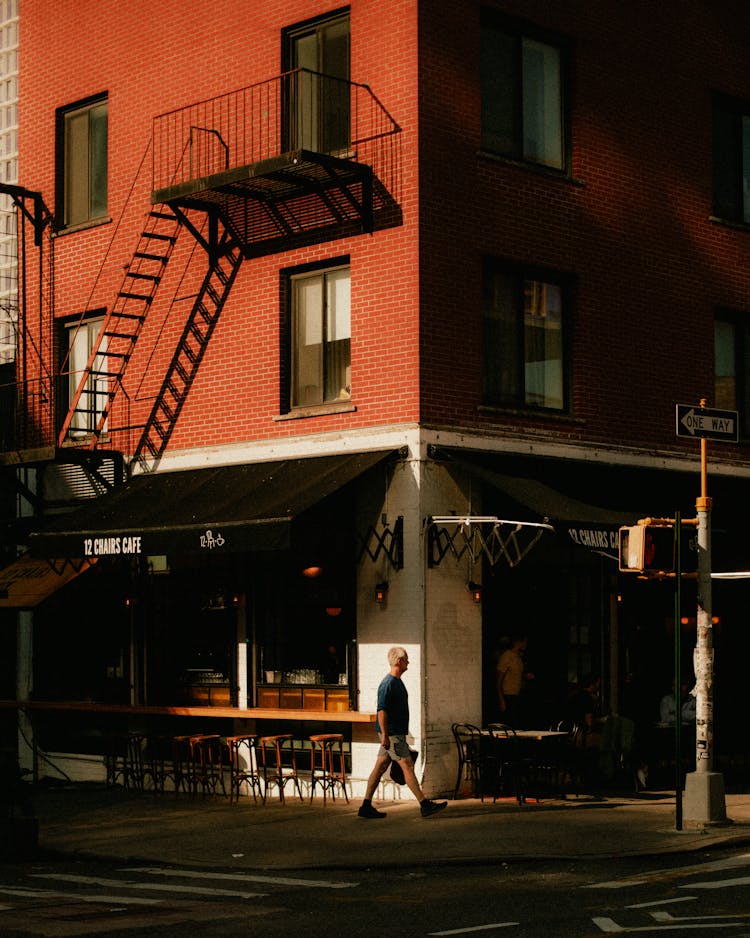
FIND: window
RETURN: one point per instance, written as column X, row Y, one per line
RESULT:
column 81, row 337
column 523, row 341
column 82, row 157
column 732, row 367
column 522, row 91
column 319, row 114
column 321, row 330
column 731, row 154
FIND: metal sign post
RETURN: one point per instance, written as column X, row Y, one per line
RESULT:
column 704, row 788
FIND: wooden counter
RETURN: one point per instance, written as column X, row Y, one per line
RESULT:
column 237, row 713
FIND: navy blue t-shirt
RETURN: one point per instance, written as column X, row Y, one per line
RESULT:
column 394, row 699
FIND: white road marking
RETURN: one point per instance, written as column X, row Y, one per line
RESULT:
column 79, row 897
column 240, row 877
column 467, row 931
column 720, row 883
column 713, row 867
column 648, row 905
column 610, row 927
column 159, row 887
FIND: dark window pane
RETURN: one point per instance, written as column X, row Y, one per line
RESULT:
column 98, row 161
column 501, row 339
column 542, row 104
column 499, row 79
column 726, row 169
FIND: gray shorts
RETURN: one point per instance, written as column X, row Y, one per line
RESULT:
column 399, row 749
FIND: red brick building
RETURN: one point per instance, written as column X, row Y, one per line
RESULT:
column 310, row 277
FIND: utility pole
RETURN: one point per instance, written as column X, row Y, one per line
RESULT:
column 704, row 789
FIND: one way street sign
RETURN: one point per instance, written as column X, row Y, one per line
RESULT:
column 710, row 424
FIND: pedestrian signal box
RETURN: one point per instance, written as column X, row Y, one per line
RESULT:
column 647, row 548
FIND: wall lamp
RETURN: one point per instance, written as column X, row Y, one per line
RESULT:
column 381, row 589
column 476, row 591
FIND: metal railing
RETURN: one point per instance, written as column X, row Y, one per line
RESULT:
column 299, row 110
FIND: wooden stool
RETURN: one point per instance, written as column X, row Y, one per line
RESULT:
column 206, row 764
column 243, row 766
column 327, row 750
column 273, row 750
column 125, row 761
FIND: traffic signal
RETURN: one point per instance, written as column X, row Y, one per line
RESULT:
column 647, row 548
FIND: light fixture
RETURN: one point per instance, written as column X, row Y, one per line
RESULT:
column 333, row 611
column 312, row 572
column 476, row 591
column 381, row 589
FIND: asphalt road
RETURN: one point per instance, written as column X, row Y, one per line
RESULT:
column 697, row 894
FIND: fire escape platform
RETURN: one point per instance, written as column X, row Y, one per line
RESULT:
column 279, row 202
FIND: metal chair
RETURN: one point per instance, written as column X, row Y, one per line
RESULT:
column 469, row 748
column 327, row 751
column 508, row 769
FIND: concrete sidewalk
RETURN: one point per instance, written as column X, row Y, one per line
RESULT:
column 178, row 829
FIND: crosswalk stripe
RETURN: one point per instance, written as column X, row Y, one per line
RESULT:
column 81, row 897
column 159, row 887
column 240, row 877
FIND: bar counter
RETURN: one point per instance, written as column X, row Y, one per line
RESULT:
column 235, row 713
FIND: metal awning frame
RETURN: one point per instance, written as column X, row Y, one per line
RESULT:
column 478, row 536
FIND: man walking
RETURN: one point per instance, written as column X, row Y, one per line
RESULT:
column 392, row 726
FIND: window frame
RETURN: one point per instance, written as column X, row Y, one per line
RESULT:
column 517, row 31
column 70, row 330
column 289, row 325
column 520, row 273
column 740, row 324
column 735, row 164
column 310, row 123
column 64, row 184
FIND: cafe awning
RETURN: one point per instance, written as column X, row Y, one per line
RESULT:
column 585, row 503
column 220, row 509
column 28, row 581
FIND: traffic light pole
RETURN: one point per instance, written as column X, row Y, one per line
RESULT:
column 704, row 788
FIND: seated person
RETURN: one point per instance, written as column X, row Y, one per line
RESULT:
column 687, row 705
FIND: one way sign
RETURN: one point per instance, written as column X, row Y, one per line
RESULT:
column 710, row 424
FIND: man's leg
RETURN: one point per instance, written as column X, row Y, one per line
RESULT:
column 366, row 810
column 427, row 807
column 381, row 764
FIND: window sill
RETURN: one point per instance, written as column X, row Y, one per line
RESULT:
column 91, row 223
column 728, row 223
column 540, row 169
column 556, row 415
column 318, row 410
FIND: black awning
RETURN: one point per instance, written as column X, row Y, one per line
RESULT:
column 586, row 503
column 222, row 509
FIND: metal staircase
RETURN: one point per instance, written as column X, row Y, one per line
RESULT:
column 225, row 258
column 91, row 404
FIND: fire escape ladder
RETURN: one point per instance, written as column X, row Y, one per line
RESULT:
column 102, row 377
column 224, row 260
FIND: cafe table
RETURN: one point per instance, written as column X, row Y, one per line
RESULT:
column 532, row 761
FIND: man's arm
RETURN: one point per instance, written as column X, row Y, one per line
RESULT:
column 385, row 741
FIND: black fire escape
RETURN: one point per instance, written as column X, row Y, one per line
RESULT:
column 297, row 160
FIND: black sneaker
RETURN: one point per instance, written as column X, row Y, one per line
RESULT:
column 367, row 811
column 428, row 808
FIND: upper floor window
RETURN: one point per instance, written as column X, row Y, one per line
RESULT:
column 320, row 333
column 523, row 338
column 82, row 160
column 522, row 89
column 80, row 338
column 732, row 367
column 319, row 99
column 731, row 159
